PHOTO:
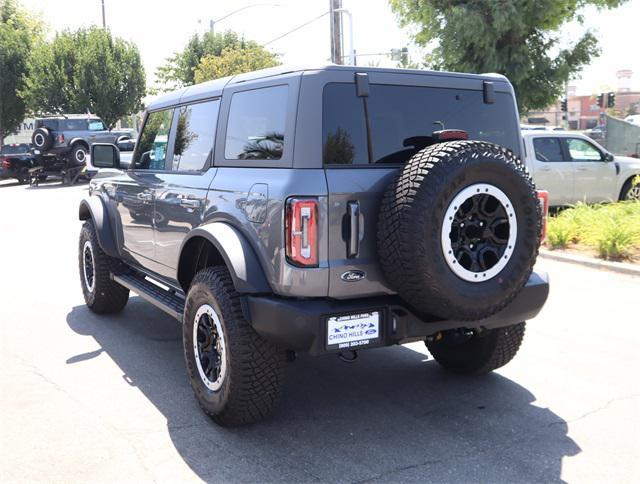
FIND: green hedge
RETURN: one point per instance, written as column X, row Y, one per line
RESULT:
column 612, row 229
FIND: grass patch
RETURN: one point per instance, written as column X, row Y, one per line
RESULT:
column 612, row 230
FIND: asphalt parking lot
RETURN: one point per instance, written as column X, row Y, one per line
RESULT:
column 87, row 398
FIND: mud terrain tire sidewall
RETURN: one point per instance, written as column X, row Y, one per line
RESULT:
column 410, row 226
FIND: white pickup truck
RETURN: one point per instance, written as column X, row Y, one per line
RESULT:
column 574, row 168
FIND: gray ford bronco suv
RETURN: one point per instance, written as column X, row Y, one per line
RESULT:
column 321, row 210
column 71, row 136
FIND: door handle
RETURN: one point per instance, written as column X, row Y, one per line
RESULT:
column 582, row 169
column 353, row 210
column 189, row 203
column 545, row 169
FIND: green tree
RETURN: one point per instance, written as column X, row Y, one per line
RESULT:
column 180, row 68
column 19, row 32
column 517, row 38
column 234, row 61
column 86, row 69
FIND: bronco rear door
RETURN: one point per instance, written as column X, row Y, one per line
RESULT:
column 370, row 129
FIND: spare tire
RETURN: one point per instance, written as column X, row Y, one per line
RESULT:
column 459, row 230
column 42, row 139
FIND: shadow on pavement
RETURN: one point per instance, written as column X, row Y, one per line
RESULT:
column 391, row 416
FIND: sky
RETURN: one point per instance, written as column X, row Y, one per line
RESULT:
column 160, row 28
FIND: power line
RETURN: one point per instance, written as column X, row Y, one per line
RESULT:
column 296, row 29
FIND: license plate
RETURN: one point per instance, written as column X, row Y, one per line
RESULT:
column 353, row 330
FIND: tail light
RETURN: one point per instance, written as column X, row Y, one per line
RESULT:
column 60, row 138
column 543, row 199
column 301, row 231
column 5, row 162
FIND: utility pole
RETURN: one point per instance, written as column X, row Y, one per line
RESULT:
column 335, row 22
column 104, row 20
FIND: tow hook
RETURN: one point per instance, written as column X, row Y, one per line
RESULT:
column 353, row 356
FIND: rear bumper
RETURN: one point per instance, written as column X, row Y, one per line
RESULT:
column 300, row 324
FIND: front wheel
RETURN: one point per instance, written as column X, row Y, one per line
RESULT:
column 473, row 353
column 630, row 191
column 235, row 374
column 101, row 293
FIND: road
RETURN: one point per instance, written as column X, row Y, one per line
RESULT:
column 103, row 399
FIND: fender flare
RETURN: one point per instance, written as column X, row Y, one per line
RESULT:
column 92, row 207
column 238, row 255
column 81, row 141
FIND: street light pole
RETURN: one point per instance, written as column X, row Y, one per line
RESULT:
column 213, row 22
column 335, row 24
column 352, row 52
column 104, row 20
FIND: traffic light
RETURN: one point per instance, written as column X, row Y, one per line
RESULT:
column 601, row 100
column 611, row 99
column 563, row 105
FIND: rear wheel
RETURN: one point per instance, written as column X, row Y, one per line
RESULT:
column 235, row 374
column 101, row 294
column 78, row 155
column 473, row 353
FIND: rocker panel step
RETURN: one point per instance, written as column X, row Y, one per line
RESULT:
column 162, row 299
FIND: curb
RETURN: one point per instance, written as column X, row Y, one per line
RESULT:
column 620, row 267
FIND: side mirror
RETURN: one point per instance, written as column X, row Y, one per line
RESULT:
column 105, row 155
column 608, row 157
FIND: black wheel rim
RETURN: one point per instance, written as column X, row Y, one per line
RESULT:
column 209, row 347
column 480, row 233
column 88, row 266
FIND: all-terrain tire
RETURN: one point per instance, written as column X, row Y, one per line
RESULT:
column 411, row 226
column 252, row 382
column 481, row 353
column 101, row 293
column 78, row 155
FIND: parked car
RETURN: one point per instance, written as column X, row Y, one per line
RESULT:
column 325, row 211
column 574, row 168
column 70, row 136
column 15, row 162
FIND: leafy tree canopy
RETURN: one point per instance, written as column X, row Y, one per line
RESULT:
column 19, row 32
column 86, row 69
column 234, row 61
column 180, row 69
column 517, row 38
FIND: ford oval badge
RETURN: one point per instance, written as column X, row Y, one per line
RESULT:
column 353, row 276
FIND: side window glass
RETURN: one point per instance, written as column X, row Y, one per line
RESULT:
column 151, row 150
column 343, row 126
column 96, row 125
column 74, row 124
column 547, row 149
column 195, row 135
column 255, row 130
column 581, row 150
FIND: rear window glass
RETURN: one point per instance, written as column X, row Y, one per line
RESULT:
column 402, row 119
column 255, row 130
